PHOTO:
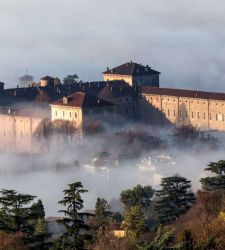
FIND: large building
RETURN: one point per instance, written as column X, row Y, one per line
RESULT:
column 134, row 74
column 129, row 92
column 81, row 109
column 203, row 110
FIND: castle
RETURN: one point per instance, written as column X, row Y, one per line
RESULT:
column 129, row 91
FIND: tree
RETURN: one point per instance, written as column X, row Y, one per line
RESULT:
column 134, row 222
column 138, row 196
column 175, row 198
column 216, row 182
column 70, row 79
column 15, row 212
column 38, row 210
column 102, row 214
column 75, row 227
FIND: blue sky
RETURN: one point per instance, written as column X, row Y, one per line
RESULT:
column 184, row 39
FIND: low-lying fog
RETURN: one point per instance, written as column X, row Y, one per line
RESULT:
column 47, row 175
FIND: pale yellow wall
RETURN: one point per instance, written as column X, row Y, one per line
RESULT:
column 113, row 77
column 194, row 111
column 16, row 133
column 73, row 114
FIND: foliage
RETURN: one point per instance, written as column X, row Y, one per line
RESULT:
column 38, row 209
column 187, row 241
column 70, row 79
column 134, row 222
column 12, row 241
column 216, row 182
column 176, row 198
column 160, row 242
column 204, row 221
column 102, row 214
column 73, row 222
column 15, row 212
column 185, row 132
column 59, row 132
column 138, row 196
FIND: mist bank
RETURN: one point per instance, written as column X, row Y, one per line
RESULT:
column 141, row 156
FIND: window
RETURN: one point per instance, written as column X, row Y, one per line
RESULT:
column 223, row 117
column 198, row 115
column 216, row 117
column 75, row 114
column 56, row 113
column 174, row 112
column 70, row 115
column 204, row 116
column 192, row 114
column 186, row 114
column 63, row 113
column 168, row 112
column 180, row 114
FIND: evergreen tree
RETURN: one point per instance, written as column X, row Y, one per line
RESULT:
column 38, row 209
column 70, row 79
column 138, row 196
column 15, row 211
column 75, row 227
column 102, row 214
column 216, row 182
column 134, row 222
column 175, row 198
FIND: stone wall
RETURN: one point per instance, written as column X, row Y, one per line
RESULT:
column 204, row 114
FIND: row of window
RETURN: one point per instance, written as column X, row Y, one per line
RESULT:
column 64, row 114
column 197, row 115
column 21, row 134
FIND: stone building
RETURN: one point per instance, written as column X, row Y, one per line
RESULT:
column 82, row 110
column 133, row 74
column 203, row 110
column 17, row 128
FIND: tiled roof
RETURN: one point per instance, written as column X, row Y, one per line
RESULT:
column 83, row 100
column 132, row 69
column 183, row 93
column 48, row 78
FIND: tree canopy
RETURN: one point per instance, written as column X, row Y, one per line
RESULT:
column 138, row 196
column 216, row 182
column 175, row 198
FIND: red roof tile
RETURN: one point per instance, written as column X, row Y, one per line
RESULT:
column 80, row 99
column 182, row 93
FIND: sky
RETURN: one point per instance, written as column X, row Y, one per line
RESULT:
column 183, row 39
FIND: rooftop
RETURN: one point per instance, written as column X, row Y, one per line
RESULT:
column 80, row 99
column 183, row 93
column 131, row 68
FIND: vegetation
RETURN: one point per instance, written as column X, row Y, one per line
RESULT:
column 138, row 196
column 70, row 79
column 216, row 182
column 175, row 198
column 186, row 222
column 75, row 228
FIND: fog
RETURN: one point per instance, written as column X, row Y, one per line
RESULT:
column 182, row 39
column 47, row 175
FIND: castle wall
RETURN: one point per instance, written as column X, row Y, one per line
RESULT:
column 204, row 114
column 16, row 133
